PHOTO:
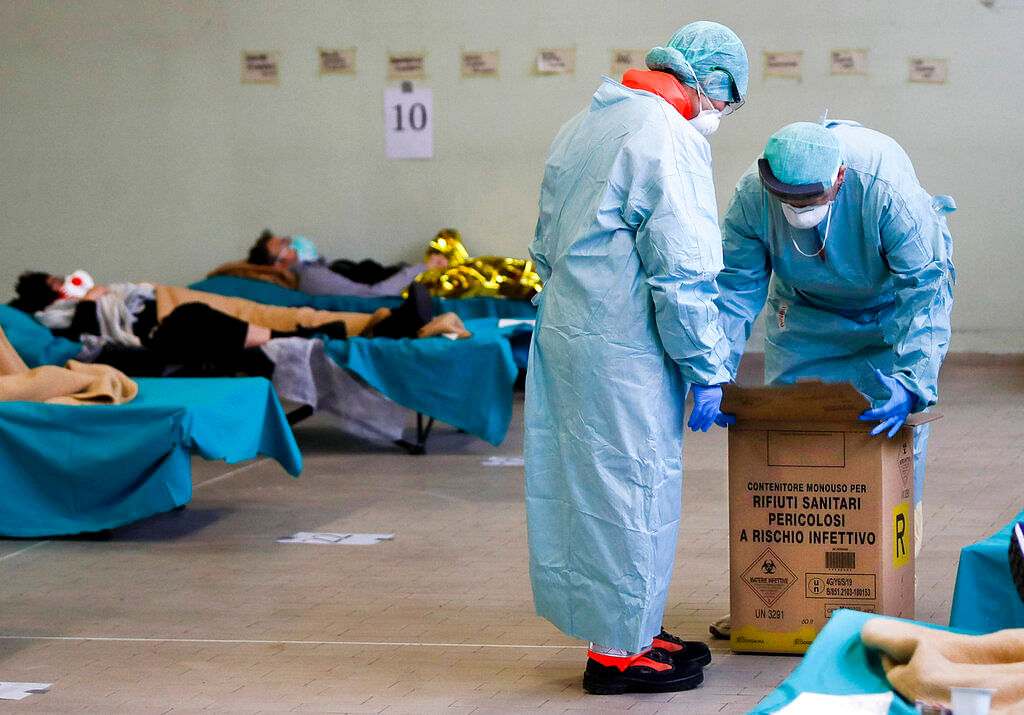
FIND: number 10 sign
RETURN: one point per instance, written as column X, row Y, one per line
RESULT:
column 409, row 122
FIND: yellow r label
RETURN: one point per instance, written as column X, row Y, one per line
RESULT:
column 901, row 528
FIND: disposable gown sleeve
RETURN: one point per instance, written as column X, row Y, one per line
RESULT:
column 537, row 250
column 679, row 244
column 743, row 282
column 542, row 244
column 539, row 245
column 913, row 240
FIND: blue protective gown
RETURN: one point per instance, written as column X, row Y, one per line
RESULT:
column 878, row 297
column 628, row 246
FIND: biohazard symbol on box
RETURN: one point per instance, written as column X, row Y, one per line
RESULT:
column 906, row 463
column 768, row 577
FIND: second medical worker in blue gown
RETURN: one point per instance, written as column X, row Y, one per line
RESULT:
column 628, row 245
column 854, row 257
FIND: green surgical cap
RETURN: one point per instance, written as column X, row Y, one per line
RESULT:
column 804, row 153
column 705, row 45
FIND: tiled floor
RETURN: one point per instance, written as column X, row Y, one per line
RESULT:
column 202, row 610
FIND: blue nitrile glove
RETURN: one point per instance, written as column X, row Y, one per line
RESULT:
column 707, row 401
column 894, row 412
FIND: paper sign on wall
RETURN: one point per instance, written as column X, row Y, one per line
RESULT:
column 933, row 71
column 259, row 67
column 409, row 122
column 479, row 64
column 623, row 60
column 407, row 66
column 556, row 61
column 337, row 61
column 783, row 64
column 850, row 62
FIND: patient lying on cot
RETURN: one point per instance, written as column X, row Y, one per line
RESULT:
column 147, row 329
column 297, row 259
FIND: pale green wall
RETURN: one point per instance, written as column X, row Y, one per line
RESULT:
column 130, row 147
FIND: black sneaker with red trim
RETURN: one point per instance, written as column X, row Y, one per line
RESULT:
column 651, row 672
column 683, row 652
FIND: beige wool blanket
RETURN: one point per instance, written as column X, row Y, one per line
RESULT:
column 923, row 663
column 274, row 317
column 74, row 384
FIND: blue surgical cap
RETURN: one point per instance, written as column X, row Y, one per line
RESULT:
column 804, row 153
column 705, row 45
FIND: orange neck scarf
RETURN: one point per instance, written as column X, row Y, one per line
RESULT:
column 662, row 84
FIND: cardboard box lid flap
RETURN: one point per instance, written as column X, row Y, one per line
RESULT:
column 919, row 418
column 810, row 400
column 807, row 400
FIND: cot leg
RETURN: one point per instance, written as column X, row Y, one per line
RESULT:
column 422, row 434
column 299, row 413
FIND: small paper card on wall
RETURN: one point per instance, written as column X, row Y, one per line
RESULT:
column 479, row 64
column 932, row 70
column 407, row 66
column 337, row 61
column 556, row 61
column 852, row 62
column 260, row 67
column 623, row 60
column 409, row 124
column 783, row 64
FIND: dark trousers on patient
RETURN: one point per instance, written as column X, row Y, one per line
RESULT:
column 206, row 342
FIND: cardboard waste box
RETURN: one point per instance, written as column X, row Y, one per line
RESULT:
column 820, row 513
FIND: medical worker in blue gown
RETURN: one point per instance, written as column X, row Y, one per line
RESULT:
column 628, row 246
column 854, row 258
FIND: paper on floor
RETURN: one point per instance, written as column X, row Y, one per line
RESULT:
column 20, row 691
column 335, row 539
column 817, row 703
column 503, row 462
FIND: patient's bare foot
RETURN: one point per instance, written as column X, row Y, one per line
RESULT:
column 378, row 315
column 444, row 323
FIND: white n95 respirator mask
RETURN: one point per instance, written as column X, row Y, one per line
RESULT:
column 76, row 285
column 806, row 217
column 707, row 122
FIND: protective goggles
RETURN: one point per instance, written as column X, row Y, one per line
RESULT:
column 734, row 92
column 788, row 192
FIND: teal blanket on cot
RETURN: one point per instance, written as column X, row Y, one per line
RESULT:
column 837, row 663
column 985, row 599
column 465, row 383
column 270, row 294
column 33, row 341
column 72, row 469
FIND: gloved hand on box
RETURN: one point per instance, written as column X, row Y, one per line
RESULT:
column 707, row 403
column 893, row 413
